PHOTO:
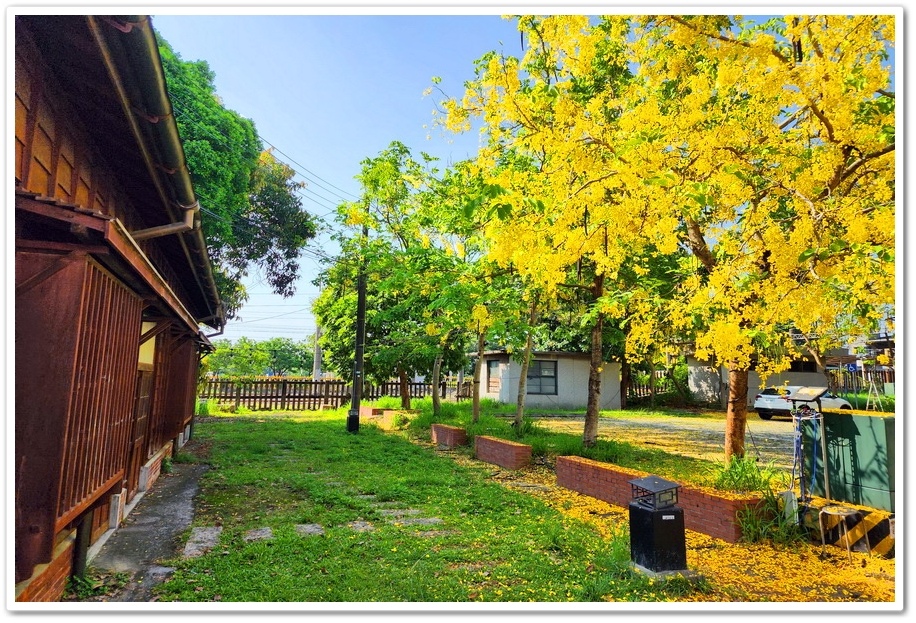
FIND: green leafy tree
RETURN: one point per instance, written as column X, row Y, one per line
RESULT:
column 251, row 212
column 246, row 357
column 287, row 357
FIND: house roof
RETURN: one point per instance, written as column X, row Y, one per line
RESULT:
column 109, row 70
column 538, row 353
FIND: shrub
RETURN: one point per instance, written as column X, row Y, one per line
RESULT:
column 744, row 475
column 770, row 522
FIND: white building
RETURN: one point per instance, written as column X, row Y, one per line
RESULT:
column 555, row 379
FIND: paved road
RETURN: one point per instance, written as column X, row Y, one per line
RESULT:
column 699, row 437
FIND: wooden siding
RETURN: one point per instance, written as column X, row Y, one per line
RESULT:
column 45, row 342
column 182, row 388
column 174, row 389
column 54, row 157
column 101, row 403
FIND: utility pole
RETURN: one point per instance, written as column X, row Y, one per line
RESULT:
column 353, row 414
column 316, row 359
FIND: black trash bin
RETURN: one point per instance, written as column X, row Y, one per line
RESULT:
column 657, row 537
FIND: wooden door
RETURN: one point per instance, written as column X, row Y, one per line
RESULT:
column 139, row 431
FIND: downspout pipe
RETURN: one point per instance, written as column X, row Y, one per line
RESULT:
column 172, row 228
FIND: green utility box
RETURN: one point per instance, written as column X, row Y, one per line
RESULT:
column 860, row 458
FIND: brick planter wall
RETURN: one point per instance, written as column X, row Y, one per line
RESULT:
column 365, row 412
column 704, row 511
column 448, row 436
column 49, row 581
column 508, row 454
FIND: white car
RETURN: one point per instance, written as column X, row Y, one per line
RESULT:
column 773, row 401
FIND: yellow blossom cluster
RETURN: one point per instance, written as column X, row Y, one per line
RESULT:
column 760, row 158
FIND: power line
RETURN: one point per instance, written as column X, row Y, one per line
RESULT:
column 304, row 169
column 186, row 111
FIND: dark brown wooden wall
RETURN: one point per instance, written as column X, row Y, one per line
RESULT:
column 76, row 355
column 77, row 324
column 46, row 338
column 174, row 392
column 53, row 157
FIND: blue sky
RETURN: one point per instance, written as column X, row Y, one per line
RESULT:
column 329, row 91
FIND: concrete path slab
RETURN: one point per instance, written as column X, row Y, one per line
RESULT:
column 201, row 541
column 259, row 534
column 310, row 529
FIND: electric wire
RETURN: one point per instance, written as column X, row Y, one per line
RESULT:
column 186, row 111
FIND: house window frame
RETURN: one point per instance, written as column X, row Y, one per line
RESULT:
column 494, row 376
column 803, row 365
column 536, row 370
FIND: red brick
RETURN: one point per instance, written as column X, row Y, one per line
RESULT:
column 448, row 436
column 502, row 452
column 49, row 581
column 703, row 511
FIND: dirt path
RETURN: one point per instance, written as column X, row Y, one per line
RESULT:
column 695, row 436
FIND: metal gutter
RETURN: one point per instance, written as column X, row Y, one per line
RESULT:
column 131, row 54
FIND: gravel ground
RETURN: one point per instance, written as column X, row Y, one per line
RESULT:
column 689, row 435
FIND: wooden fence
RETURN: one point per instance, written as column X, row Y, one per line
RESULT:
column 297, row 394
column 641, row 387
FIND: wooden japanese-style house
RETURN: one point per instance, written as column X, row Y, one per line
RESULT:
column 114, row 287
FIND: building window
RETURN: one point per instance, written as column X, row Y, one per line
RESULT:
column 803, row 365
column 542, row 377
column 493, row 377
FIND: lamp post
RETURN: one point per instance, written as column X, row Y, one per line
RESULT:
column 359, row 350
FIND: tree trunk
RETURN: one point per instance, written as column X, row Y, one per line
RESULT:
column 523, row 376
column 478, row 366
column 590, row 432
column 736, row 416
column 522, row 386
column 652, row 383
column 626, row 378
column 437, row 403
column 683, row 392
column 405, row 388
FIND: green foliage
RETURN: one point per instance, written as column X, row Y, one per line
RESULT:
column 405, row 277
column 387, row 402
column 166, row 465
column 246, row 357
column 770, row 521
column 400, row 420
column 745, row 475
column 861, row 399
column 275, row 227
column 94, row 583
column 187, row 458
column 250, row 209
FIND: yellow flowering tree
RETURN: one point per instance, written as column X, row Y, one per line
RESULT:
column 770, row 147
column 759, row 155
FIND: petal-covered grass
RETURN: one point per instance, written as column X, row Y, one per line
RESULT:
column 492, row 535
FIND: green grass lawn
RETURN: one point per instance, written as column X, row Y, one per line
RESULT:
column 488, row 544
column 496, row 421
